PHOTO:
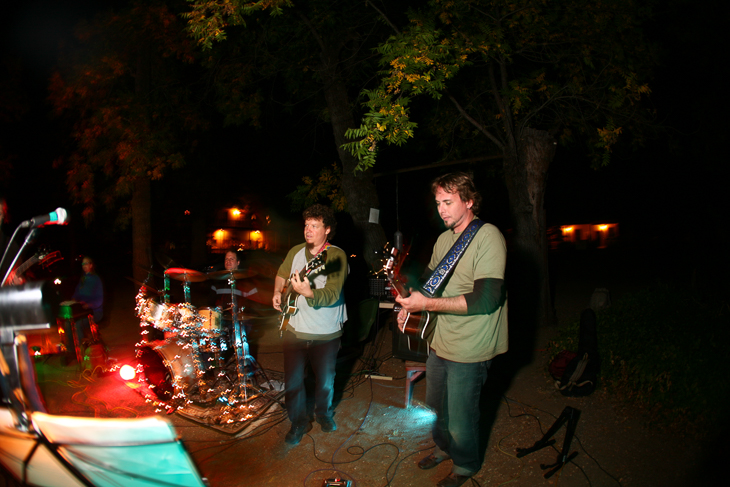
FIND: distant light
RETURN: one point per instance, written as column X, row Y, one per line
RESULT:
column 352, row 256
column 187, row 212
column 567, row 229
column 603, row 228
column 57, row 281
column 127, row 372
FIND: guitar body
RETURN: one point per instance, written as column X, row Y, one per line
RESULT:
column 417, row 325
column 289, row 303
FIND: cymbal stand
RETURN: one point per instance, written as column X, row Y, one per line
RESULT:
column 166, row 294
column 240, row 342
column 186, row 289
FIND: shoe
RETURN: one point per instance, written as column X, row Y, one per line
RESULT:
column 328, row 424
column 453, row 480
column 294, row 436
column 430, row 461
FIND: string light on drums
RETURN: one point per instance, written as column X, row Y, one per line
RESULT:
column 187, row 364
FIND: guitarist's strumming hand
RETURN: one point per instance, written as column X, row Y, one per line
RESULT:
column 302, row 286
column 415, row 303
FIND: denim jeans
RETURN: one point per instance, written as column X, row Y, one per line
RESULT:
column 322, row 355
column 453, row 390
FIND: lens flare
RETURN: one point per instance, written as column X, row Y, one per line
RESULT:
column 127, row 372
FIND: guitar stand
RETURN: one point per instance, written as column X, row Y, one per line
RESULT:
column 570, row 416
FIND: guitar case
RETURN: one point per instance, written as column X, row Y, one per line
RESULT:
column 581, row 374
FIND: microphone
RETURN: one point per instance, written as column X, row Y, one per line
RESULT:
column 57, row 217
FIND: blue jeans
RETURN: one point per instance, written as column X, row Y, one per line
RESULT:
column 452, row 391
column 322, row 355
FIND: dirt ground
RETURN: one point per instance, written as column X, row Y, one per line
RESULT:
column 378, row 440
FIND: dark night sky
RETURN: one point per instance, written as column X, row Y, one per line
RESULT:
column 674, row 177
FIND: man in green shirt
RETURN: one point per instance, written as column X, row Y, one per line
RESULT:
column 470, row 329
column 312, row 333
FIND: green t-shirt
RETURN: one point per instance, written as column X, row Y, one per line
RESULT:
column 471, row 338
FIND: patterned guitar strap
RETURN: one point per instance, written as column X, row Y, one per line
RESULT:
column 448, row 263
column 444, row 269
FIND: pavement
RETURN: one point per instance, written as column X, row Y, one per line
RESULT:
column 379, row 440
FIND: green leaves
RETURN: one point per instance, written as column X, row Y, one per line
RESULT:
column 208, row 19
column 528, row 63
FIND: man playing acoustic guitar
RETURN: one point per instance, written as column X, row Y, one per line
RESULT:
column 313, row 315
column 471, row 324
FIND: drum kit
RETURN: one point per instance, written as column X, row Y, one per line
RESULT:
column 189, row 365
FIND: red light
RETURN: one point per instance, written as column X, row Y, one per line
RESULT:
column 127, row 372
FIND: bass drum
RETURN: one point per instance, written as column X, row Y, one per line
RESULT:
column 169, row 369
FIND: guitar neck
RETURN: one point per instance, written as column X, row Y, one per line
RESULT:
column 399, row 286
column 25, row 265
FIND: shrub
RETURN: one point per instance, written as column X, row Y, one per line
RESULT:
column 664, row 348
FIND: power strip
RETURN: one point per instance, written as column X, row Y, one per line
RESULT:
column 336, row 483
column 379, row 377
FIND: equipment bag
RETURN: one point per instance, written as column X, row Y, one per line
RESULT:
column 581, row 374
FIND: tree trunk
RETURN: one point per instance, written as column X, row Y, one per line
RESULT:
column 526, row 178
column 358, row 188
column 141, row 230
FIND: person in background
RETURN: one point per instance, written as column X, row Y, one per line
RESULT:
column 89, row 293
column 313, row 333
column 221, row 297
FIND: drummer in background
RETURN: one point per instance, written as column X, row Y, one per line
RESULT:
column 220, row 296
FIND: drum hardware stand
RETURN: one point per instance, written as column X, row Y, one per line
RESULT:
column 186, row 290
column 570, row 416
column 166, row 295
column 243, row 354
column 197, row 358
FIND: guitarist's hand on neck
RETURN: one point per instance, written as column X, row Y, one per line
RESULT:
column 302, row 286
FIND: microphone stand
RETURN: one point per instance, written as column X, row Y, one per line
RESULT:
column 28, row 238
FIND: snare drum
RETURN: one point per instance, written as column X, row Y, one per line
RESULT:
column 168, row 367
column 210, row 320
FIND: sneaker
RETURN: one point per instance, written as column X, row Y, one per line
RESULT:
column 429, row 461
column 328, row 424
column 294, row 436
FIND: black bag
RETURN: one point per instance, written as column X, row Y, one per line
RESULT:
column 581, row 373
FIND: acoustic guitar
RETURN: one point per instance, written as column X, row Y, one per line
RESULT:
column 416, row 324
column 289, row 303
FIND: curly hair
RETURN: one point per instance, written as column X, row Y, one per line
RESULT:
column 324, row 213
column 461, row 183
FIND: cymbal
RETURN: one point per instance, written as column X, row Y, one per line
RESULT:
column 164, row 260
column 146, row 286
column 187, row 275
column 149, row 271
column 234, row 274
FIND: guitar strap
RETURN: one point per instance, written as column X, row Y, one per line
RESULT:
column 448, row 263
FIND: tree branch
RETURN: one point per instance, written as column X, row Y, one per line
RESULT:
column 476, row 124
